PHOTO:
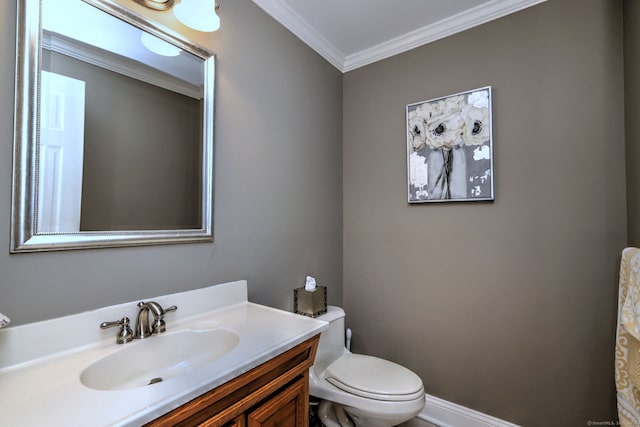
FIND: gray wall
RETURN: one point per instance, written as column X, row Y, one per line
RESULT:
column 505, row 307
column 632, row 111
column 121, row 188
column 278, row 189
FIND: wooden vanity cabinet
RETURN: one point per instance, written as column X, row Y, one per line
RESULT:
column 274, row 394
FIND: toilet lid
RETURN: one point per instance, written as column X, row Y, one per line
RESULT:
column 374, row 378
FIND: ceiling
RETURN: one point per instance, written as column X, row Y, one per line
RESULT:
column 351, row 33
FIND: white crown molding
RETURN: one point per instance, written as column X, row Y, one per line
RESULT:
column 457, row 23
column 282, row 12
column 484, row 13
column 118, row 64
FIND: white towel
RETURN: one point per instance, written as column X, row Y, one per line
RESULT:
column 627, row 356
column 630, row 313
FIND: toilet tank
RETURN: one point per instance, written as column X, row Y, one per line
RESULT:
column 331, row 344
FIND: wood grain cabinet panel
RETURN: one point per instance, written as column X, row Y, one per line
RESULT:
column 289, row 408
column 275, row 394
column 240, row 421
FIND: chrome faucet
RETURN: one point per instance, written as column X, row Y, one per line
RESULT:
column 145, row 327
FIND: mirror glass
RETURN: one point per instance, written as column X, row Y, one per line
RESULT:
column 114, row 130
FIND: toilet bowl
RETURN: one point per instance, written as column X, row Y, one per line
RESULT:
column 359, row 390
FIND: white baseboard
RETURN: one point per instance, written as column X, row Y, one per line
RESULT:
column 446, row 414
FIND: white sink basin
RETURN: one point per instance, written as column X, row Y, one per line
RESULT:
column 216, row 335
column 158, row 358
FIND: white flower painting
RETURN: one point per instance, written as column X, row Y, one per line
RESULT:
column 450, row 148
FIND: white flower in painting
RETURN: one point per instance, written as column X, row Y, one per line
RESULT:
column 450, row 122
column 417, row 131
column 476, row 125
column 428, row 110
column 444, row 131
column 451, row 105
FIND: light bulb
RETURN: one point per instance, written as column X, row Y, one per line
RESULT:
column 198, row 14
column 159, row 46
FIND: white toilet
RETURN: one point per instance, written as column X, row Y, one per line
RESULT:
column 358, row 390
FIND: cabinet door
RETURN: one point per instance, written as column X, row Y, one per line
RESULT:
column 289, row 408
column 237, row 422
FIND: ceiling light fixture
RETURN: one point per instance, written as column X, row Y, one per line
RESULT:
column 197, row 14
column 156, row 4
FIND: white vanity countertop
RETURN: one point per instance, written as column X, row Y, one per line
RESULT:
column 40, row 384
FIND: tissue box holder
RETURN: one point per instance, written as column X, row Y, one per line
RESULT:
column 310, row 303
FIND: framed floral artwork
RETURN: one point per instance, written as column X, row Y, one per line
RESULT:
column 450, row 148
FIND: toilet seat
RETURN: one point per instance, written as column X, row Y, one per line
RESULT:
column 374, row 378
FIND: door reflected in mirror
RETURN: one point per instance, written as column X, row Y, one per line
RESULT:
column 61, row 153
column 123, row 147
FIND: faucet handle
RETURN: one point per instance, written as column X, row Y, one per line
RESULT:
column 159, row 324
column 125, row 334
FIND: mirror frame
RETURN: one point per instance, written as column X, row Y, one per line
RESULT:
column 24, row 236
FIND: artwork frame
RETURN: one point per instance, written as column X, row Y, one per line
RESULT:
column 450, row 148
